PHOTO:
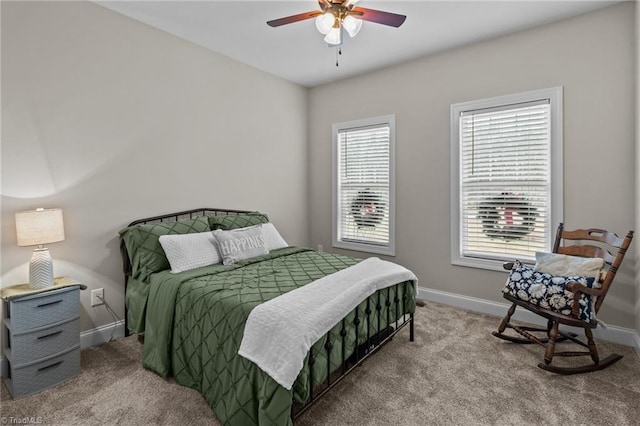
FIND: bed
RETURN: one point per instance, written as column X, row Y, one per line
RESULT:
column 193, row 321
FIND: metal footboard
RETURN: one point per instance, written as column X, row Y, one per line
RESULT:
column 384, row 332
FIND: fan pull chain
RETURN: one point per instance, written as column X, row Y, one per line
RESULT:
column 338, row 52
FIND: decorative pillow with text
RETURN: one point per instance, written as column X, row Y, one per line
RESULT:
column 240, row 244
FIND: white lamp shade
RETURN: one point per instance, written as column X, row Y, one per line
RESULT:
column 325, row 22
column 352, row 25
column 334, row 37
column 40, row 226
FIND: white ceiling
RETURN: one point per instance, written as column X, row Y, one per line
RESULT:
column 298, row 53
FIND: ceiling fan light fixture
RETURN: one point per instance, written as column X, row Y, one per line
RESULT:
column 352, row 25
column 338, row 15
column 334, row 36
column 325, row 22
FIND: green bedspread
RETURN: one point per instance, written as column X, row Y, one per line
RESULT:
column 195, row 323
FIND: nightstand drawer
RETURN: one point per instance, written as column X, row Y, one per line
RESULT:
column 43, row 309
column 44, row 374
column 43, row 342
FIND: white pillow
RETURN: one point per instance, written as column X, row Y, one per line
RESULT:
column 240, row 244
column 568, row 266
column 272, row 237
column 190, row 251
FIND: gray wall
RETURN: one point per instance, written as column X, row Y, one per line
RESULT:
column 592, row 56
column 637, row 228
column 112, row 120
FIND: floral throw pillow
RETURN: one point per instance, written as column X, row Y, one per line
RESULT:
column 549, row 291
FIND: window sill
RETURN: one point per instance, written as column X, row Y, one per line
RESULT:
column 367, row 248
column 490, row 265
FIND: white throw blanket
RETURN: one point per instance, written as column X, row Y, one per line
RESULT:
column 280, row 332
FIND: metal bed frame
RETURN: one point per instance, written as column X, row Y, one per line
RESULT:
column 363, row 351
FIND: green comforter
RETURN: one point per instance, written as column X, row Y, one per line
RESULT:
column 195, row 323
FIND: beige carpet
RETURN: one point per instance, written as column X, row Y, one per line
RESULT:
column 454, row 373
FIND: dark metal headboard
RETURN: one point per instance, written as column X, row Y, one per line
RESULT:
column 170, row 217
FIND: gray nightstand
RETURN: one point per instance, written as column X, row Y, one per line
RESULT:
column 41, row 335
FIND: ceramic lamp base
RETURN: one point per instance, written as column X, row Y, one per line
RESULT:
column 41, row 269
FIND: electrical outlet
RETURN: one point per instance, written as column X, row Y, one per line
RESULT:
column 320, row 248
column 97, row 296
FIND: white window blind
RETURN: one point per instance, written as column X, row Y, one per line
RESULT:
column 506, row 206
column 505, row 181
column 363, row 192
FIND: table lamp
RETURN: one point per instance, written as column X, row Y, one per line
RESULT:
column 36, row 228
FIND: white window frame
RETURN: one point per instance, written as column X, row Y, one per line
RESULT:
column 390, row 248
column 554, row 95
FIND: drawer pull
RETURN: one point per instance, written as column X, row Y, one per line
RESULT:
column 50, row 303
column 55, row 333
column 55, row 364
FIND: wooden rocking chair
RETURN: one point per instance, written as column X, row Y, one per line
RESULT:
column 609, row 242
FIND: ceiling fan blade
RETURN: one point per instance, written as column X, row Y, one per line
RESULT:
column 379, row 17
column 293, row 18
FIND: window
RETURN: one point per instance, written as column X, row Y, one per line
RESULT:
column 363, row 187
column 506, row 174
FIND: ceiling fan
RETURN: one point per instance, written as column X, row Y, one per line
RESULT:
column 338, row 15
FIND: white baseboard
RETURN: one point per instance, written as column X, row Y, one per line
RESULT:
column 93, row 337
column 611, row 333
column 102, row 334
